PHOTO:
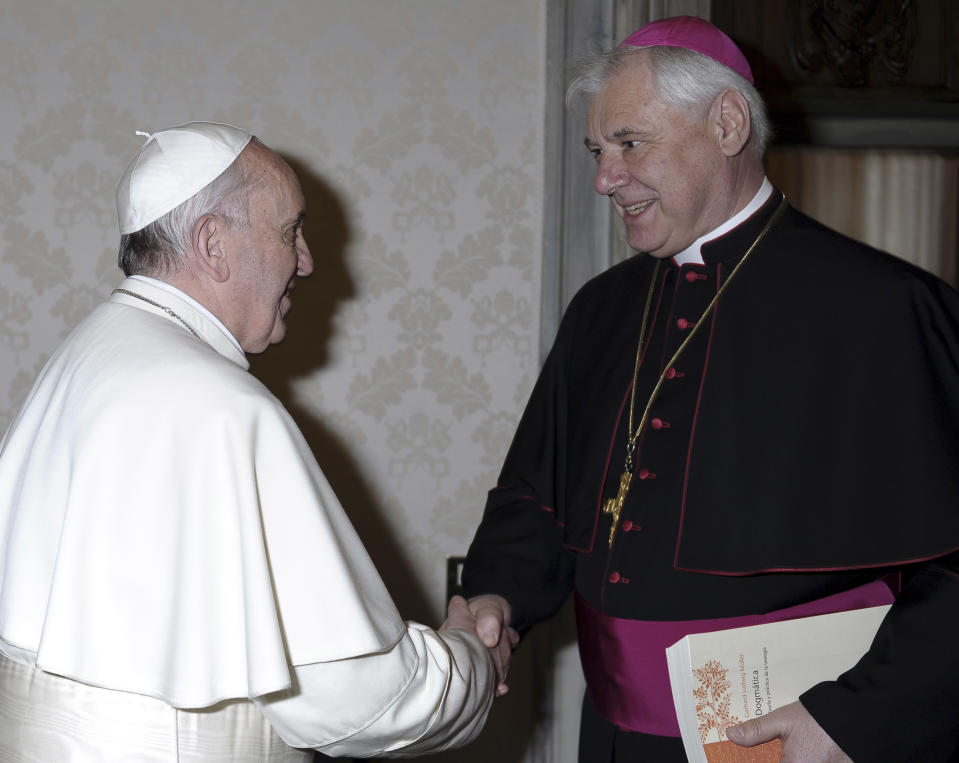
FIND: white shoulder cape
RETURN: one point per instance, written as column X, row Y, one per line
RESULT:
column 164, row 527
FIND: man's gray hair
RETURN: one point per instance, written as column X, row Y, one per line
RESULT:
column 160, row 247
column 685, row 79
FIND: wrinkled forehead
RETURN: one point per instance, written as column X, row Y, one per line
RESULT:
column 628, row 92
column 274, row 180
column 630, row 77
column 288, row 182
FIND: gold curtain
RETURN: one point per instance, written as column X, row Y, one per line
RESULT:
column 904, row 202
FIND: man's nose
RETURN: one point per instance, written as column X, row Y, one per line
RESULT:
column 610, row 174
column 304, row 260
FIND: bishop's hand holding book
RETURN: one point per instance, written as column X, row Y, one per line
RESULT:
column 727, row 677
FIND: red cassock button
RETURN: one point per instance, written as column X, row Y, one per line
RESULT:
column 670, row 373
column 691, row 276
column 627, row 526
column 659, row 424
column 614, row 577
column 645, row 474
column 682, row 324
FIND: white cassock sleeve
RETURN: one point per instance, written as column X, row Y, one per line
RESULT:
column 430, row 692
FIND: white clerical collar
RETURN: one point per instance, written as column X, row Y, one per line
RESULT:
column 692, row 254
column 192, row 302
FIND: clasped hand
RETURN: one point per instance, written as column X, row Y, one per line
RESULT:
column 488, row 617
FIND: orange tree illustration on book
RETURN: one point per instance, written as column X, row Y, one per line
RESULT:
column 713, row 700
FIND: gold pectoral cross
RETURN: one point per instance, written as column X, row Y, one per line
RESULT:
column 614, row 506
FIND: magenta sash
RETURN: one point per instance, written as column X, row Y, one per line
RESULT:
column 624, row 661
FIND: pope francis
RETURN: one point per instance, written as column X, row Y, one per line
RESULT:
column 177, row 580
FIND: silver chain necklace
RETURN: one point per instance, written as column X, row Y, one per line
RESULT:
column 164, row 308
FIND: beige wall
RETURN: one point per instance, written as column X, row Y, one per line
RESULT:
column 416, row 127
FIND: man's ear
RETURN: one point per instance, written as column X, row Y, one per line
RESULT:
column 730, row 116
column 209, row 246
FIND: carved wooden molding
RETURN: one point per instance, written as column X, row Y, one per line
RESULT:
column 856, row 44
column 831, row 70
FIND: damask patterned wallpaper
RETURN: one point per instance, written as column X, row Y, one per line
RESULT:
column 416, row 128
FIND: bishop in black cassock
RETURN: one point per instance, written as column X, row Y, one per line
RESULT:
column 801, row 441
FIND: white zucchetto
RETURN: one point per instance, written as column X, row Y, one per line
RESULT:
column 172, row 166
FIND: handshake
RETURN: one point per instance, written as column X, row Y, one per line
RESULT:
column 487, row 616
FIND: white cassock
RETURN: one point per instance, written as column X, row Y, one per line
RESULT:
column 170, row 551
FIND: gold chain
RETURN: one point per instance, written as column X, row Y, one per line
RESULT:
column 614, row 506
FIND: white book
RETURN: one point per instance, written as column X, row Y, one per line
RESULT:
column 724, row 678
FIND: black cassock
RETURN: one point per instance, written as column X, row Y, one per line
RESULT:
column 805, row 442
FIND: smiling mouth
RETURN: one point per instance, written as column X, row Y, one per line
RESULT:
column 638, row 208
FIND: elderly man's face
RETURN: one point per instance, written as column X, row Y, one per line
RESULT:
column 661, row 169
column 272, row 254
